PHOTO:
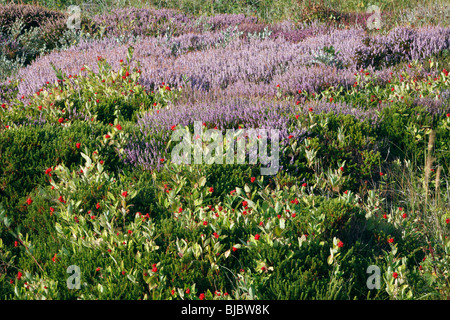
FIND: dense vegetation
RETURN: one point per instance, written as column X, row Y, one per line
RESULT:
column 87, row 181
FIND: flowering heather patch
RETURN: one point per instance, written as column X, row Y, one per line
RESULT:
column 225, row 21
column 402, row 43
column 245, row 64
column 32, row 16
column 142, row 22
column 155, row 127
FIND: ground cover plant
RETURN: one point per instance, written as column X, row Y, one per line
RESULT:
column 93, row 204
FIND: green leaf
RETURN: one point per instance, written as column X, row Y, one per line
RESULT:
column 277, row 207
column 330, row 259
column 282, row 223
column 130, row 54
column 131, row 278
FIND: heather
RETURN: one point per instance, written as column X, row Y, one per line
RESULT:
column 359, row 117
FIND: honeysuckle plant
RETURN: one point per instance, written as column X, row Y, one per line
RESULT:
column 95, row 94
